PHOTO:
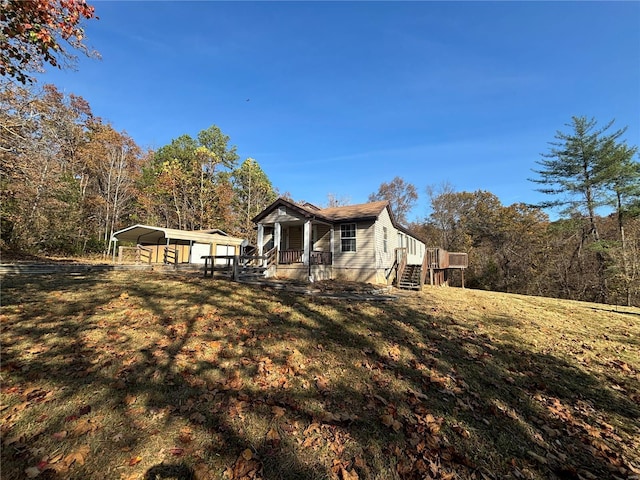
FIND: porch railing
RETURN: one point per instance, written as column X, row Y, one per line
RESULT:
column 290, row 256
column 287, row 257
column 321, row 258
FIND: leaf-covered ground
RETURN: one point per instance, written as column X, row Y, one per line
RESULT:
column 146, row 376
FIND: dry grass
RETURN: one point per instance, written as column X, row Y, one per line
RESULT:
column 144, row 375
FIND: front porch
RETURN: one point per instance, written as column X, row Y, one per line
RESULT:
column 298, row 243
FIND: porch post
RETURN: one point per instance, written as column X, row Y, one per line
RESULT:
column 260, row 238
column 306, row 242
column 332, row 243
column 276, row 240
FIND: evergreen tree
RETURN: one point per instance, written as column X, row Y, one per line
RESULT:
column 576, row 171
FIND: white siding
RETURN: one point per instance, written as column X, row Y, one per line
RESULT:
column 394, row 236
column 277, row 216
column 323, row 237
column 385, row 259
column 364, row 255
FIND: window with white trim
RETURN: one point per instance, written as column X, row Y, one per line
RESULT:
column 348, row 237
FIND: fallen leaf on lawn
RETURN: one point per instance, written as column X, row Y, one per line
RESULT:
column 245, row 467
column 348, row 474
column 460, row 430
column 202, row 472
column 59, row 435
column 391, row 422
column 83, row 426
column 309, row 442
column 277, row 411
column 198, row 417
column 78, row 456
column 32, row 472
column 247, row 454
column 322, row 383
column 314, row 427
column 394, row 352
column 177, row 451
column 234, row 382
column 186, row 435
column 55, row 459
column 134, row 461
column 273, row 435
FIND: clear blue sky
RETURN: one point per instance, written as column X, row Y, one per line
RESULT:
column 340, row 97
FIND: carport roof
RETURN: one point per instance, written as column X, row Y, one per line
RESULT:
column 157, row 235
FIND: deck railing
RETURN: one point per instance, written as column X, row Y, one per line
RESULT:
column 439, row 258
column 458, row 260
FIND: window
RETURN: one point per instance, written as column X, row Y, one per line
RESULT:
column 384, row 239
column 348, row 237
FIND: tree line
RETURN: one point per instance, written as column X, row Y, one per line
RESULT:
column 68, row 179
column 590, row 252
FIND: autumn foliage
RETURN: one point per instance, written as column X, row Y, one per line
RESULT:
column 33, row 33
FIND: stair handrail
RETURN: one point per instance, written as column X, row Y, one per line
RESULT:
column 271, row 256
column 402, row 263
column 423, row 269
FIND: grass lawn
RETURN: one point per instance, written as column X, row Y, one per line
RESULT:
column 153, row 376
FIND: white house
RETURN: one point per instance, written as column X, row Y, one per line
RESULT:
column 356, row 242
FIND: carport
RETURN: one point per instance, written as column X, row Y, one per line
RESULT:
column 168, row 245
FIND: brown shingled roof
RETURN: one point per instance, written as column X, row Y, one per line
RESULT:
column 349, row 213
column 352, row 212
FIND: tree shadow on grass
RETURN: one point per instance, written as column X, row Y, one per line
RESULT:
column 170, row 472
column 200, row 371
